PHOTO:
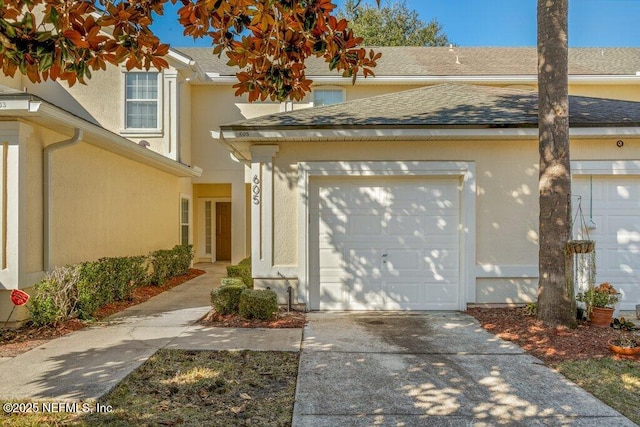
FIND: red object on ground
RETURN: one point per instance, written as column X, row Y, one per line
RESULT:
column 19, row 297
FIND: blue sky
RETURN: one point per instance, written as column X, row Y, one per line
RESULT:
column 592, row 23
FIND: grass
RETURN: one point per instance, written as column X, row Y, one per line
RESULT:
column 615, row 382
column 176, row 387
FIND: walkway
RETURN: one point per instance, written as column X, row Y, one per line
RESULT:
column 88, row 363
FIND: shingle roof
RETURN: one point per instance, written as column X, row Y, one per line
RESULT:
column 447, row 105
column 460, row 61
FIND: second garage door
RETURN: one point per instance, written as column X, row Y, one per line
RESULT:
column 384, row 244
column 614, row 203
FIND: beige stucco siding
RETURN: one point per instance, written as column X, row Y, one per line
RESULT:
column 626, row 92
column 506, row 174
column 107, row 205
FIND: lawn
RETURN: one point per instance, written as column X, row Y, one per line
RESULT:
column 615, row 382
column 196, row 388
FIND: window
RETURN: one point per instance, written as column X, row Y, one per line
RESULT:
column 184, row 221
column 327, row 96
column 142, row 101
column 207, row 226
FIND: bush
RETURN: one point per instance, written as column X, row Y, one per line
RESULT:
column 226, row 299
column 169, row 263
column 80, row 290
column 258, row 304
column 107, row 280
column 55, row 297
column 242, row 271
column 232, row 281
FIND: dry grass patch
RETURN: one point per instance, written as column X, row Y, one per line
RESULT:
column 194, row 388
column 206, row 388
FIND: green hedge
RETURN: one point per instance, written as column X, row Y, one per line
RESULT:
column 258, row 304
column 107, row 280
column 232, row 281
column 242, row 271
column 226, row 299
column 169, row 263
column 79, row 290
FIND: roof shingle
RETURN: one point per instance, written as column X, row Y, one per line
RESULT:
column 448, row 105
column 460, row 61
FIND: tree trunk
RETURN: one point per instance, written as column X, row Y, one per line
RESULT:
column 556, row 302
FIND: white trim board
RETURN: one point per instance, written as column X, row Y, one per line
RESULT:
column 467, row 243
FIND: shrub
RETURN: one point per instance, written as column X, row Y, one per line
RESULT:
column 258, row 304
column 242, row 271
column 232, row 281
column 107, row 280
column 80, row 290
column 54, row 298
column 167, row 263
column 226, row 299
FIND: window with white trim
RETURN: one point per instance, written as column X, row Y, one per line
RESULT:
column 327, row 96
column 184, row 220
column 142, row 100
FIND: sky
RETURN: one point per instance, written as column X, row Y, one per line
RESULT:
column 592, row 23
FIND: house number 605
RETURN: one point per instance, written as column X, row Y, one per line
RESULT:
column 256, row 190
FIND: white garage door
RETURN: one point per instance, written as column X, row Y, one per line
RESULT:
column 616, row 212
column 384, row 244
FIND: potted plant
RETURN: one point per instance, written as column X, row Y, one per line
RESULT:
column 626, row 344
column 600, row 301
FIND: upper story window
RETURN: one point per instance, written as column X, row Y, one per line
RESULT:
column 142, row 106
column 327, row 96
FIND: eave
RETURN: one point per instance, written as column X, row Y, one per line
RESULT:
column 40, row 112
column 238, row 141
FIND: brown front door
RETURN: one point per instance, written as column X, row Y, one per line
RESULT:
column 223, row 231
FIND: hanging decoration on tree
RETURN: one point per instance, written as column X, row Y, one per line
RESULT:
column 583, row 253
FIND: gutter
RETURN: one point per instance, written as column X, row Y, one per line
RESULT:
column 323, row 134
column 47, row 193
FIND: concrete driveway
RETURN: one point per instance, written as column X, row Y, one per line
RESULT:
column 429, row 369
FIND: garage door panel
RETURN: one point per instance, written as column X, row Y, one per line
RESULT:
column 623, row 193
column 407, row 260
column 364, row 226
column 614, row 202
column 442, row 259
column 403, row 296
column 440, row 294
column 619, row 261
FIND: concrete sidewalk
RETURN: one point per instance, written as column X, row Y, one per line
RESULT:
column 435, row 369
column 88, row 363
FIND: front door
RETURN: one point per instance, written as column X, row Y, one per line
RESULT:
column 223, row 231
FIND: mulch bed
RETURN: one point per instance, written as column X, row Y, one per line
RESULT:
column 283, row 319
column 550, row 344
column 17, row 341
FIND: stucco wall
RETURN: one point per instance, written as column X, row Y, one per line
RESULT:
column 107, row 205
column 506, row 199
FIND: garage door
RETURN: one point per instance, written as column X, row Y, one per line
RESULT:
column 616, row 212
column 384, row 244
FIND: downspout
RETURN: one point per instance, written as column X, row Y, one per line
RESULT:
column 47, row 194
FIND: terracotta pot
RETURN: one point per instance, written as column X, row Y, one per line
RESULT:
column 625, row 351
column 601, row 317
